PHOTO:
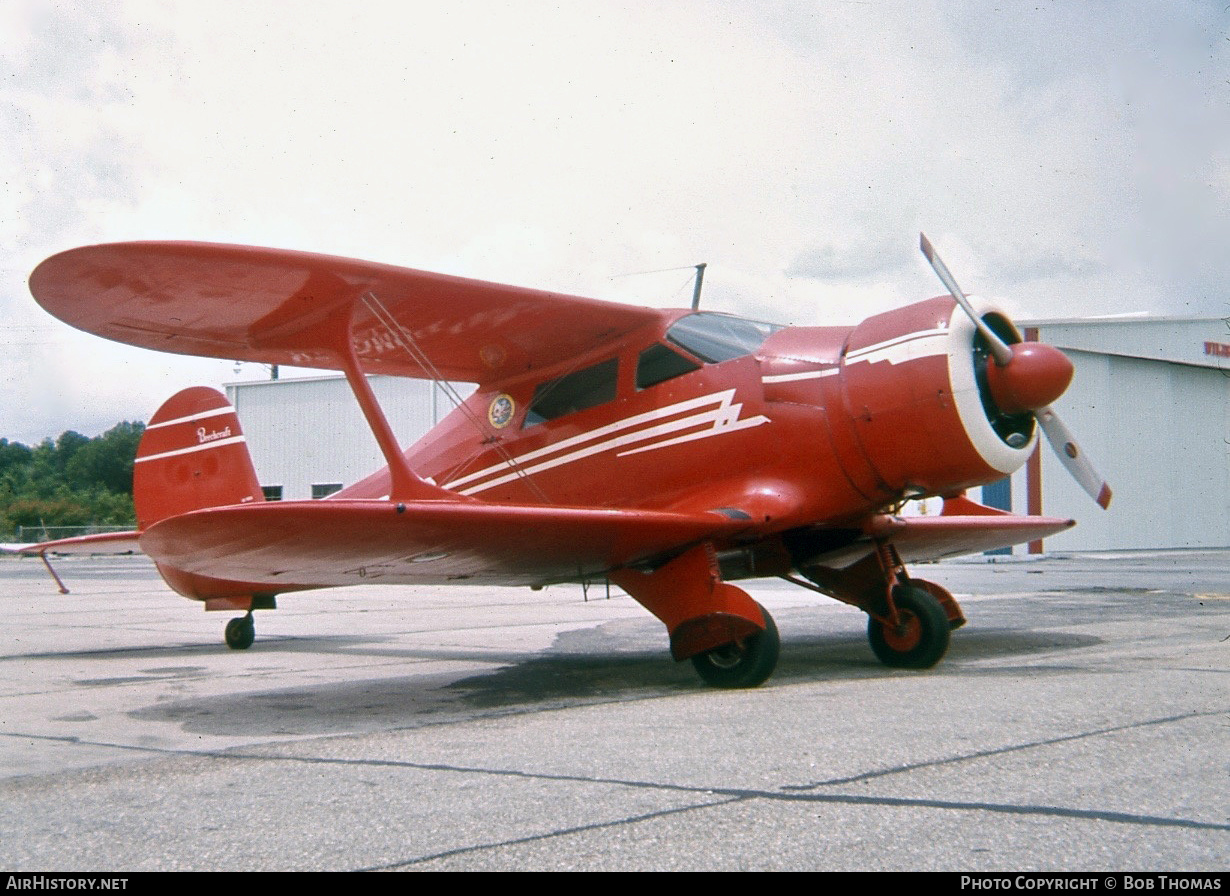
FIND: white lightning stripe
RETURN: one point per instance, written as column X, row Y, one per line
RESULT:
column 805, row 375
column 717, row 398
column 714, row 419
column 907, row 337
column 924, row 344
column 202, row 447
column 718, row 420
column 716, row 430
column 203, row 415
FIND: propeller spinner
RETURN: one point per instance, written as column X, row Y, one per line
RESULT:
column 1027, row 377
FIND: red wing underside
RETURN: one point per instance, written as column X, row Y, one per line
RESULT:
column 297, row 308
column 931, row 538
column 296, row 545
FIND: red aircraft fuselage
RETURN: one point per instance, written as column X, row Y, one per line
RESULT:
column 800, row 426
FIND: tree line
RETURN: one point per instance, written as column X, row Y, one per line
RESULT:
column 71, row 481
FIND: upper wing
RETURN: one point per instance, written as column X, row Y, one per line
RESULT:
column 282, row 546
column 295, row 308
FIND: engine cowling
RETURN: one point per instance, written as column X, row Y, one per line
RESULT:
column 931, row 411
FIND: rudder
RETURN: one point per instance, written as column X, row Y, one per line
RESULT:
column 193, row 455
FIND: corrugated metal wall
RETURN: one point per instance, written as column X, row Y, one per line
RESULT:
column 1160, row 434
column 310, row 431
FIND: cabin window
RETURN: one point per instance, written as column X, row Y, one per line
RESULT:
column 714, row 337
column 660, row 363
column 573, row 392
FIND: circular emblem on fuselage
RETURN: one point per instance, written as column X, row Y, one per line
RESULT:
column 501, row 410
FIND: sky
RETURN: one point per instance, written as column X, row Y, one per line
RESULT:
column 1067, row 159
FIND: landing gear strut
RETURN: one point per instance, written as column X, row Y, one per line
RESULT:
column 241, row 632
column 911, row 619
column 729, row 638
column 746, row 663
column 919, row 640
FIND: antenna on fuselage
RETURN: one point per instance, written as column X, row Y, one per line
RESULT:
column 700, row 278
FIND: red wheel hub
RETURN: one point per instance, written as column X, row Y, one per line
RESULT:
column 906, row 635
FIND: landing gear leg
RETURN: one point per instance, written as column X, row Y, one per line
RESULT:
column 911, row 619
column 913, row 634
column 919, row 639
column 729, row 638
column 745, row 663
column 241, row 632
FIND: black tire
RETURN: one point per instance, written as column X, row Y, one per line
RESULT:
column 240, row 633
column 747, row 663
column 922, row 639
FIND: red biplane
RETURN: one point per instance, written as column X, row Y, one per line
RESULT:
column 669, row 452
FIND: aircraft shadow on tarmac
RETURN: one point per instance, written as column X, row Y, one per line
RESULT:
column 614, row 663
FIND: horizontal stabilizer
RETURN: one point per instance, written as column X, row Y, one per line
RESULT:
column 98, row 543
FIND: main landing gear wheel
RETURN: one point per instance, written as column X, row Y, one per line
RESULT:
column 241, row 632
column 920, row 641
column 744, row 664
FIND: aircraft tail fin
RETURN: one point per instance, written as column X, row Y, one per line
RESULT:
column 192, row 456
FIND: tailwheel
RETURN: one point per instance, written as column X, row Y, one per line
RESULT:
column 241, row 632
column 920, row 640
column 746, row 663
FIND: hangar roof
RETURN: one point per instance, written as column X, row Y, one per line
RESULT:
column 1200, row 342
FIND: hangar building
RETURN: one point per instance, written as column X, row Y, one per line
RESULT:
column 308, row 437
column 1149, row 404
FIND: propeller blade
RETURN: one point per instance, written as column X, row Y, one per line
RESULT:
column 999, row 349
column 1072, row 457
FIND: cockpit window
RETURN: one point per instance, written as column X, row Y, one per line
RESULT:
column 660, row 363
column 714, row 337
column 573, row 392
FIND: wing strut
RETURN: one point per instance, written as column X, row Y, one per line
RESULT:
column 42, row 555
column 407, row 485
column 405, row 339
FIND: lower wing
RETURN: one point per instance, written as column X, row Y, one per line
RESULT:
column 286, row 546
column 932, row 538
column 964, row 527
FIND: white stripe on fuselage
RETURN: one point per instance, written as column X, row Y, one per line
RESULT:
column 900, row 349
column 805, row 375
column 716, row 414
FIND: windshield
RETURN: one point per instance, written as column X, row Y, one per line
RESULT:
column 714, row 337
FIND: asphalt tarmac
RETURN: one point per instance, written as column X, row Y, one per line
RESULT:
column 1080, row 721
